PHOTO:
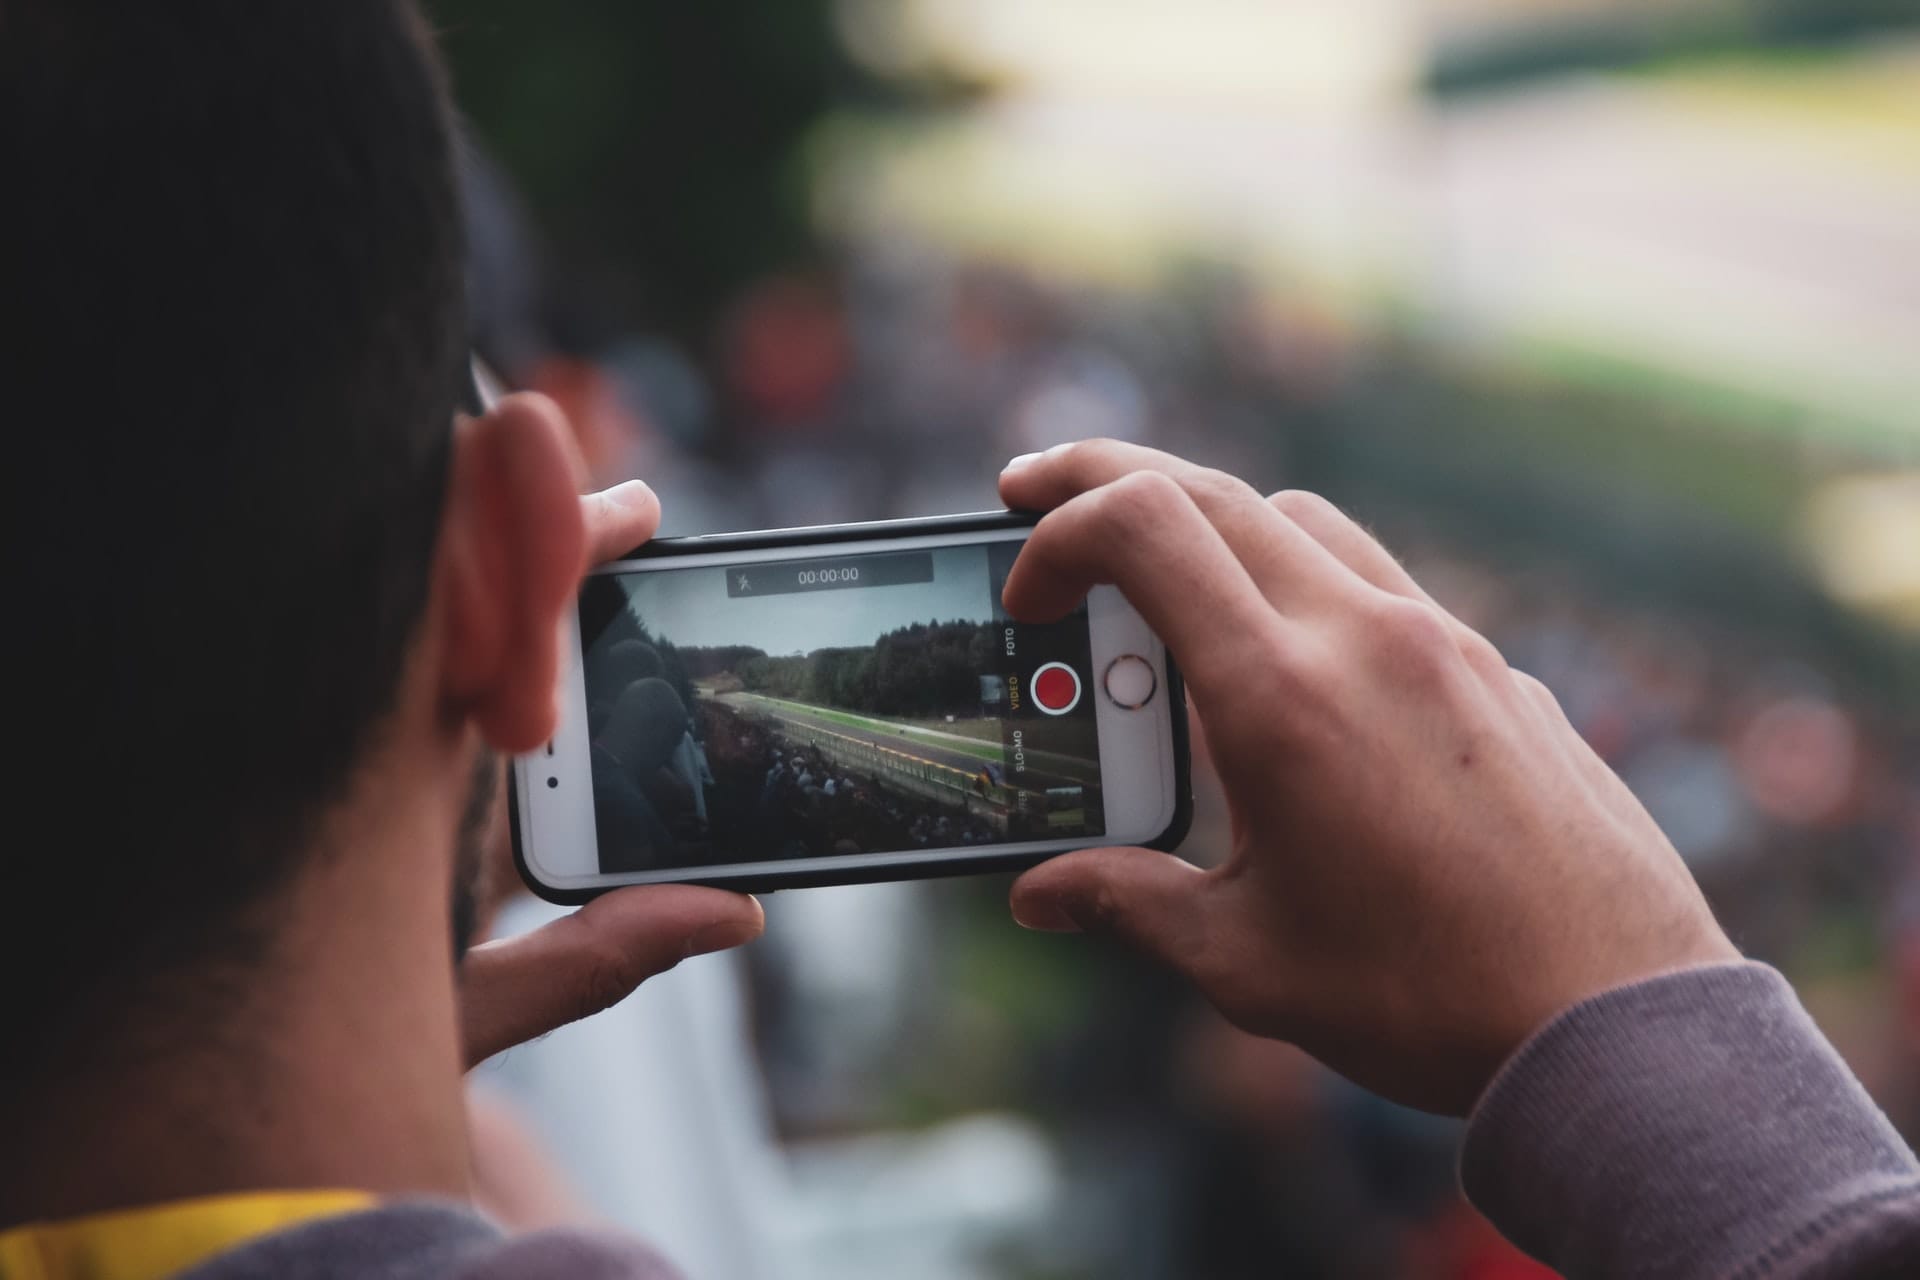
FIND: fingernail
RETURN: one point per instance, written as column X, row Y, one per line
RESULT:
column 721, row 936
column 1046, row 915
column 1024, row 460
column 630, row 493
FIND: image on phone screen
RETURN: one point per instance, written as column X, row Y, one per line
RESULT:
column 811, row 708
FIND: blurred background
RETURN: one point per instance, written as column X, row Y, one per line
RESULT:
column 1605, row 316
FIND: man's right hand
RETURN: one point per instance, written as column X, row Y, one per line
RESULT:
column 1428, row 862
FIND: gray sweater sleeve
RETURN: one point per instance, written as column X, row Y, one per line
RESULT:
column 1693, row 1125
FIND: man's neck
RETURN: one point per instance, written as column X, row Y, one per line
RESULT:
column 335, row 1063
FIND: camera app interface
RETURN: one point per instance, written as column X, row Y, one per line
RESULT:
column 809, row 708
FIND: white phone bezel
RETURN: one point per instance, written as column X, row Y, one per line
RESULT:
column 556, row 825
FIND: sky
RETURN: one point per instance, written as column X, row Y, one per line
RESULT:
column 690, row 607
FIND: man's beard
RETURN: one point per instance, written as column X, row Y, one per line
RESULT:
column 470, row 851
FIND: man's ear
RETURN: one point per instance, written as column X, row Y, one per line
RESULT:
column 511, row 554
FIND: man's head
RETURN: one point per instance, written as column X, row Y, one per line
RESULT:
column 630, row 660
column 246, row 525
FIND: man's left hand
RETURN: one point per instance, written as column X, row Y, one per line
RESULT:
column 517, row 989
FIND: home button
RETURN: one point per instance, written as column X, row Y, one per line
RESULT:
column 1131, row 681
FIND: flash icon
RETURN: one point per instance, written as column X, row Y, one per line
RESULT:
column 745, row 585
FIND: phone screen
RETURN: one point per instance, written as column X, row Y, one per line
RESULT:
column 865, row 703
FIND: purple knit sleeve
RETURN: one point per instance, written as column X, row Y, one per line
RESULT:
column 1695, row 1124
column 431, row 1240
column 576, row 1255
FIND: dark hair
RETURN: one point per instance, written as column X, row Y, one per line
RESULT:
column 230, row 271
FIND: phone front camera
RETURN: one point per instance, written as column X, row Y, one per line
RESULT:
column 553, row 782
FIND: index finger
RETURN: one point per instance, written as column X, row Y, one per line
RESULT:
column 1143, row 534
column 1291, row 569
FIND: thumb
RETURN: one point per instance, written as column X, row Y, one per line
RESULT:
column 516, row 989
column 618, row 520
column 1154, row 901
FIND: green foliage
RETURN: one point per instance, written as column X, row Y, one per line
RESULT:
column 658, row 144
column 1609, row 39
column 927, row 669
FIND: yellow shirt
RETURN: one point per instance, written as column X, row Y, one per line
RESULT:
column 156, row 1241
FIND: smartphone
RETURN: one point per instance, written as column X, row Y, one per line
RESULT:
column 840, row 705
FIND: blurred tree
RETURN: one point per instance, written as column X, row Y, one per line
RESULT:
column 659, row 144
column 1606, row 37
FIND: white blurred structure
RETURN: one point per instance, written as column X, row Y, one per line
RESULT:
column 1737, row 229
column 656, row 1113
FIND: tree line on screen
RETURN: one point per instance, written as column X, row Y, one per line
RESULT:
column 927, row 669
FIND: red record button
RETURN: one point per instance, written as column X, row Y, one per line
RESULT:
column 1056, row 688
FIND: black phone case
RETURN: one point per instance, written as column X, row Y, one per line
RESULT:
column 882, row 866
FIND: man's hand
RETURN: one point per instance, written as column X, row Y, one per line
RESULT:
column 516, row 989
column 1427, row 864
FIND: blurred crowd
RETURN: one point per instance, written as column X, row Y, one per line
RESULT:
column 807, row 805
column 1795, row 800
column 894, row 379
